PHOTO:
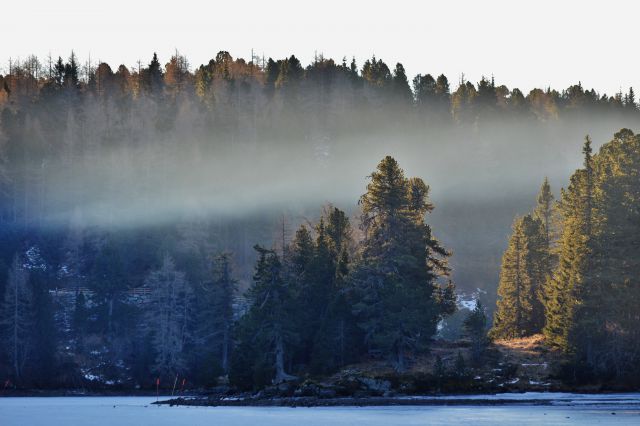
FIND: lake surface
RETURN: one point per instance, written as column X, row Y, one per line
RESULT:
column 568, row 409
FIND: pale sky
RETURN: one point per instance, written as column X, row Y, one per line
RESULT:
column 523, row 44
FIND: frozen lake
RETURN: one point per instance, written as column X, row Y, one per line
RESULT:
column 622, row 409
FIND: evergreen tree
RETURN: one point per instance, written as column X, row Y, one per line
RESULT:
column 304, row 291
column 318, row 271
column 514, row 301
column 336, row 339
column 562, row 292
column 603, row 329
column 271, row 71
column 268, row 325
column 424, row 90
column 544, row 211
column 224, row 287
column 376, row 72
column 59, row 72
column 43, row 362
column 519, row 309
column 486, row 99
column 475, row 326
column 400, row 262
column 460, row 366
column 443, row 97
column 71, row 72
column 401, row 90
column 631, row 101
column 153, row 76
column 439, row 371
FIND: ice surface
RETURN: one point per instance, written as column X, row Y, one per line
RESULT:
column 126, row 411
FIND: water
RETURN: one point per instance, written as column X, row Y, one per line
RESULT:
column 124, row 411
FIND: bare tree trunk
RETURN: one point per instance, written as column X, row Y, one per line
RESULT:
column 15, row 330
column 279, row 360
column 400, row 365
column 341, row 342
column 225, row 349
column 110, row 316
column 281, row 375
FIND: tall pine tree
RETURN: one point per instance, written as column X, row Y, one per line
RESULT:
column 400, row 262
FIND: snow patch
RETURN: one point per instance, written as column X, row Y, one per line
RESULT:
column 34, row 259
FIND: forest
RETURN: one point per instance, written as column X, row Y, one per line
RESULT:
column 224, row 221
column 571, row 268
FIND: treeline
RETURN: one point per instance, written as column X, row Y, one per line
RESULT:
column 571, row 269
column 317, row 302
column 227, row 86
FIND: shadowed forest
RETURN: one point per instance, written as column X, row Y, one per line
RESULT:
column 228, row 220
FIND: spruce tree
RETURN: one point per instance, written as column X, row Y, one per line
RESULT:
column 475, row 327
column 519, row 310
column 544, row 211
column 305, row 290
column 153, row 76
column 220, row 313
column 336, row 340
column 71, row 71
column 563, row 291
column 401, row 90
column 443, row 97
column 318, row 270
column 269, row 326
column 513, row 303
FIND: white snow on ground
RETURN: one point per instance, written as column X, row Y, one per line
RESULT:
column 129, row 411
column 92, row 377
column 468, row 301
column 467, row 304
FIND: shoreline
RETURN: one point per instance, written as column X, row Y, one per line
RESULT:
column 341, row 402
column 528, row 398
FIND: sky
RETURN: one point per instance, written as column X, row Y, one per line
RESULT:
column 524, row 44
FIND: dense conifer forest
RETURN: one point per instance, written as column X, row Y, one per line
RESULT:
column 571, row 268
column 203, row 223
